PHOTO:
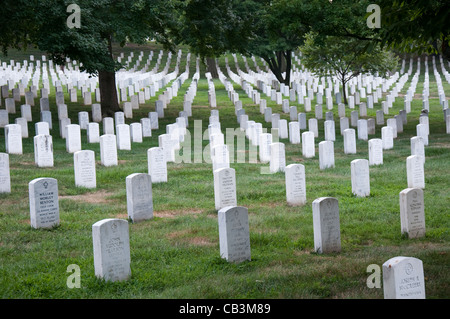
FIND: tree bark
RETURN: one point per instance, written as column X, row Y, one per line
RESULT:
column 281, row 64
column 107, row 84
column 108, row 92
column 211, row 67
column 343, row 90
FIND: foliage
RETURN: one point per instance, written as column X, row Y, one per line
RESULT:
column 102, row 21
column 420, row 26
column 345, row 58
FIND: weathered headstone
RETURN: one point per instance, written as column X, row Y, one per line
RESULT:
column 111, row 242
column 418, row 147
column 108, row 125
column 157, row 166
column 308, row 146
column 43, row 150
column 139, row 197
column 362, row 130
column 415, row 171
column 73, row 138
column 44, row 203
column 392, row 122
column 123, row 137
column 277, row 157
column 84, row 169
column 330, row 132
column 375, row 151
column 349, row 141
column 379, row 117
column 25, row 111
column 5, row 176
column 360, row 177
column 343, row 124
column 225, row 188
column 403, row 278
column 108, row 150
column 83, row 120
column 96, row 113
column 387, row 137
column 422, row 131
column 153, row 116
column 302, row 121
column 146, row 127
column 326, row 154
column 10, row 105
column 327, row 233
column 44, row 104
column 23, row 124
column 265, row 140
column 283, row 129
column 412, row 212
column 13, row 139
column 313, row 127
column 136, row 132
column 166, row 142
column 294, row 132
column 295, row 184
column 234, row 234
column 93, row 133
column 220, row 157
column 119, row 118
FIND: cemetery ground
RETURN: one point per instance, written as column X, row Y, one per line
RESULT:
column 175, row 255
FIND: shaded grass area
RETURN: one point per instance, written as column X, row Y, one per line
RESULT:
column 176, row 254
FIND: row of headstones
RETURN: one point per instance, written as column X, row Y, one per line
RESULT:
column 111, row 243
column 326, row 151
column 403, row 277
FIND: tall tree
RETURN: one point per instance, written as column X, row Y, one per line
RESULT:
column 345, row 58
column 420, row 26
column 271, row 30
column 102, row 23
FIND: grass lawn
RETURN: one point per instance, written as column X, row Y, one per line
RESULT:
column 176, row 254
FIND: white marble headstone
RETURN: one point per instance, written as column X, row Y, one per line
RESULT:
column 327, row 233
column 360, row 177
column 44, row 202
column 412, row 212
column 139, row 197
column 403, row 278
column 234, row 234
column 415, row 171
column 5, row 176
column 84, row 169
column 111, row 243
column 295, row 184
column 157, row 166
column 225, row 188
column 108, row 150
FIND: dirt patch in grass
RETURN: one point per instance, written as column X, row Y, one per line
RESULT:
column 175, row 213
column 122, row 216
column 186, row 236
column 99, row 197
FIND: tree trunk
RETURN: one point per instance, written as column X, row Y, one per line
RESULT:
column 108, row 92
column 281, row 64
column 343, row 90
column 211, row 67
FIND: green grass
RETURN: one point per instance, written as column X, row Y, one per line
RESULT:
column 176, row 254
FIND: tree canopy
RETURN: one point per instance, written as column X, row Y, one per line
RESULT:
column 345, row 58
